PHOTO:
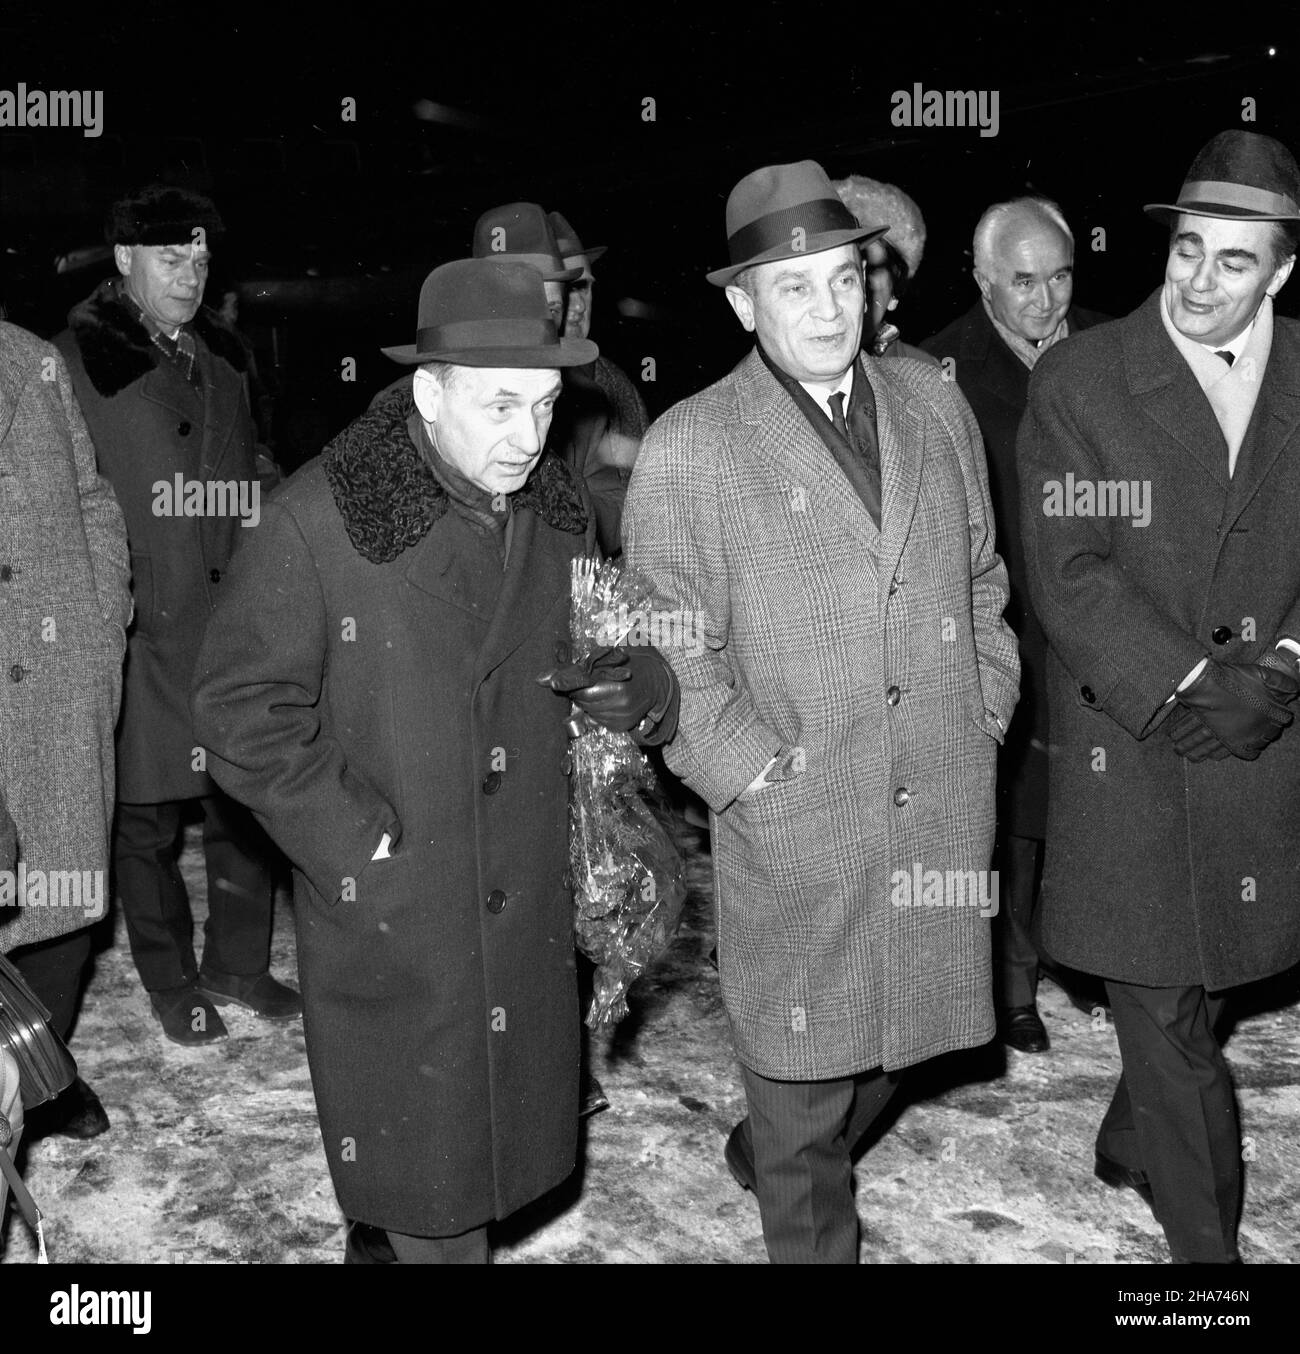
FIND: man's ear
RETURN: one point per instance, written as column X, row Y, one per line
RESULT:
column 743, row 304
column 428, row 395
column 1280, row 277
column 981, row 282
column 122, row 257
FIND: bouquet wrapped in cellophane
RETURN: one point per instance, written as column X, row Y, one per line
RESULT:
column 629, row 882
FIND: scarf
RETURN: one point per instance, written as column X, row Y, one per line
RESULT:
column 1231, row 390
column 1028, row 352
column 487, row 513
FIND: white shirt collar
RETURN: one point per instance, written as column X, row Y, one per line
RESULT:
column 1236, row 347
column 822, row 395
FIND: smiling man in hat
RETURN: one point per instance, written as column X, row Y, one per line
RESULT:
column 1172, row 611
column 368, row 687
column 827, row 515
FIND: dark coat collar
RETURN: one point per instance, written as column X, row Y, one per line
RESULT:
column 389, row 498
column 116, row 349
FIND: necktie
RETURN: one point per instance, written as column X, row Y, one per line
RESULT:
column 836, row 402
column 1226, row 355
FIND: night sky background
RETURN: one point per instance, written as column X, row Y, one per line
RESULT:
column 333, row 224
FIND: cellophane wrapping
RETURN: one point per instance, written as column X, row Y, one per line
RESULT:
column 629, row 880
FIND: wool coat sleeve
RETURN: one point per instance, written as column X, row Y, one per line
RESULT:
column 257, row 706
column 1127, row 655
column 100, row 513
column 672, row 532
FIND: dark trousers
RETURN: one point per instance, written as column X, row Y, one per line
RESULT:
column 802, row 1135
column 1015, row 958
column 237, row 935
column 53, row 970
column 1174, row 1117
column 470, row 1248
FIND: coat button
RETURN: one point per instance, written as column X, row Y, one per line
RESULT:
column 183, row 427
column 895, row 583
column 496, row 902
column 1088, row 694
column 214, row 575
column 6, row 573
column 893, row 696
column 563, row 654
column 1221, row 635
column 492, row 782
column 901, row 796
column 18, row 672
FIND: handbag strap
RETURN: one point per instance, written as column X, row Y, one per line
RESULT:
column 26, row 1204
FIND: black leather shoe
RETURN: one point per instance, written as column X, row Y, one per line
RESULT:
column 84, row 1116
column 1021, row 1027
column 187, row 1016
column 260, row 994
column 739, row 1161
column 368, row 1245
column 592, row 1097
column 1110, row 1172
column 75, row 1113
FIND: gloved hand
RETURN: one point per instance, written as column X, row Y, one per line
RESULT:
column 616, row 687
column 1234, row 710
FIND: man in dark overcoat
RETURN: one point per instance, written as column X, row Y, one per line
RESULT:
column 1024, row 268
column 368, row 687
column 1160, row 476
column 823, row 518
column 65, row 602
column 162, row 383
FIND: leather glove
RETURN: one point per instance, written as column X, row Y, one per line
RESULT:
column 1234, row 710
column 617, row 687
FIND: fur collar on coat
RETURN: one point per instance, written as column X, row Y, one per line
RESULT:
column 389, row 498
column 116, row 349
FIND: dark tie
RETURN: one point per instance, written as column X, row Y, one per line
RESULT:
column 836, row 402
column 1226, row 355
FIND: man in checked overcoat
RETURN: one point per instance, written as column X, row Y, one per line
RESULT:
column 842, row 714
column 1173, row 615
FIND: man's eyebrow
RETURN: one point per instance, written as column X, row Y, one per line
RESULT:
column 1247, row 254
column 1190, row 236
column 787, row 273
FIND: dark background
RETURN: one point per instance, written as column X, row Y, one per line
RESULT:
column 333, row 224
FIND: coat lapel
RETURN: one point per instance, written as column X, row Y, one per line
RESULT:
column 1163, row 387
column 773, row 432
column 901, row 431
column 999, row 370
column 1273, row 423
column 534, row 579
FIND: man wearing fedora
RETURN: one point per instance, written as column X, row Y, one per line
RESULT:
column 827, row 515
column 628, row 415
column 368, row 687
column 521, row 232
column 1173, row 621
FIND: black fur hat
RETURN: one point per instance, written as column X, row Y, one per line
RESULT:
column 161, row 214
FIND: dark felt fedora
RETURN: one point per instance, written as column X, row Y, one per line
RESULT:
column 486, row 313
column 785, row 212
column 520, row 232
column 1241, row 175
column 567, row 241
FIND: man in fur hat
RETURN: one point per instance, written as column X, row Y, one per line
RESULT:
column 1160, row 482
column 1024, row 269
column 368, row 686
column 162, row 383
column 826, row 515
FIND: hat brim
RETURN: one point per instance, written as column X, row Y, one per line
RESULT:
column 568, row 353
column 815, row 244
column 564, row 275
column 591, row 255
column 1168, row 212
